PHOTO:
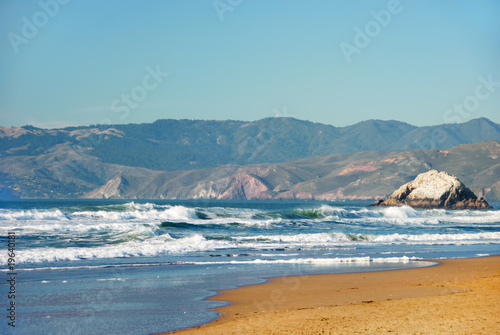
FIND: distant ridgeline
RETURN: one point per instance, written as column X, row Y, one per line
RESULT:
column 289, row 159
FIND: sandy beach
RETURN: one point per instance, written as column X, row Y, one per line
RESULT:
column 458, row 296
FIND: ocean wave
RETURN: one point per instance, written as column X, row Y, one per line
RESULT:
column 141, row 213
column 129, row 211
column 91, row 267
column 407, row 216
column 315, row 213
column 82, row 229
column 150, row 212
column 164, row 244
column 403, row 212
column 147, row 229
column 35, row 215
column 367, row 260
column 458, row 239
column 143, row 245
column 320, row 239
column 303, row 239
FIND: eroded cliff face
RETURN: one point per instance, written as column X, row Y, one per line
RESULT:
column 435, row 189
column 112, row 189
column 242, row 186
column 245, row 186
column 72, row 172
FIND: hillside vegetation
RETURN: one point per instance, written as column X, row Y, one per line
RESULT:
column 279, row 158
column 173, row 145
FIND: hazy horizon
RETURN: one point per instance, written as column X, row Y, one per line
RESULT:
column 235, row 120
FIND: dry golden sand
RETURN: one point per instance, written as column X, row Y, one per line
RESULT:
column 456, row 297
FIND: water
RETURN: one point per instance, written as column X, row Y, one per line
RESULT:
column 140, row 267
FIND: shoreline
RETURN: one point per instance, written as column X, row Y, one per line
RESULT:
column 455, row 296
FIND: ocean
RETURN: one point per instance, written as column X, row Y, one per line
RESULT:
column 147, row 266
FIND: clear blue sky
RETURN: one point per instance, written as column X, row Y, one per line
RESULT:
column 76, row 63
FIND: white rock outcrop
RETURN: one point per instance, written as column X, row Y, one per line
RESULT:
column 434, row 189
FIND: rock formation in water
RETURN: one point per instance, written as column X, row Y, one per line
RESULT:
column 435, row 189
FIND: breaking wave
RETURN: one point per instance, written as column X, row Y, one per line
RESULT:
column 148, row 229
column 164, row 244
column 342, row 238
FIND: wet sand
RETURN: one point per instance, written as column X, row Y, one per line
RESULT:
column 459, row 296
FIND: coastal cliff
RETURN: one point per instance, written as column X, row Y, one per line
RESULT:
column 67, row 172
column 435, row 189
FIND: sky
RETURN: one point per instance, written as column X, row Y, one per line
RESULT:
column 67, row 63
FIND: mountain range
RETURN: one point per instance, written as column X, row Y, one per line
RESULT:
column 273, row 158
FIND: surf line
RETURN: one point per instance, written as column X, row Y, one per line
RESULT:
column 12, row 276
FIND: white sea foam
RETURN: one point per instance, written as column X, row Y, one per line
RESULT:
column 88, row 267
column 133, row 211
column 402, row 212
column 317, row 261
column 279, row 255
column 407, row 216
column 135, row 230
column 458, row 239
column 35, row 214
column 297, row 238
column 163, row 244
column 141, row 213
column 328, row 211
column 111, row 279
column 79, row 229
column 320, row 239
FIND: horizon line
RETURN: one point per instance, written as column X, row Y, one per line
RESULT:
column 228, row 120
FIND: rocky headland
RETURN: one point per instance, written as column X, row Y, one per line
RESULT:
column 434, row 189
